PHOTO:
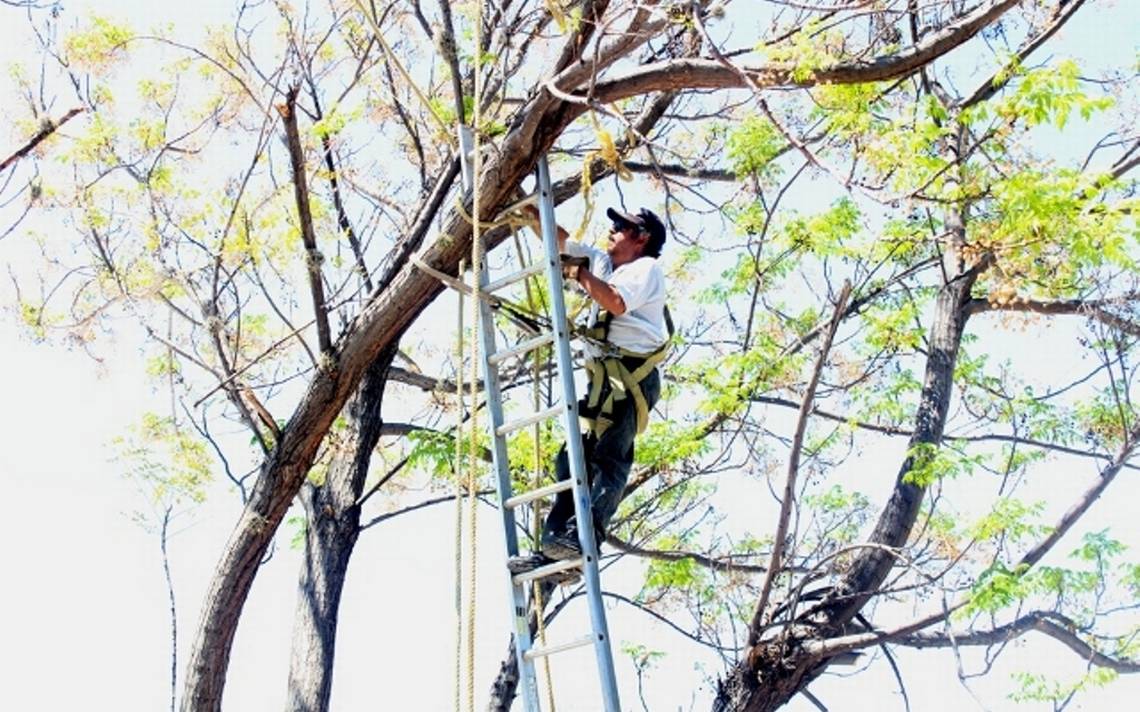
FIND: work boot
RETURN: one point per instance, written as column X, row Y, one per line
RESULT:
column 526, row 563
column 529, row 562
column 561, row 545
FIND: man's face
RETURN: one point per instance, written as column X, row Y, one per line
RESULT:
column 626, row 243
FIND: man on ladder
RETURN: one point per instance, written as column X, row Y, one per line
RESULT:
column 628, row 337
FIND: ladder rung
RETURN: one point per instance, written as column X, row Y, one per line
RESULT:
column 534, row 653
column 526, row 346
column 539, row 492
column 528, row 420
column 528, row 271
column 543, row 571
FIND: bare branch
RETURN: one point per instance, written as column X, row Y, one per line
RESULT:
column 305, row 217
column 47, row 129
column 680, row 74
column 776, row 563
column 995, row 83
column 1055, row 625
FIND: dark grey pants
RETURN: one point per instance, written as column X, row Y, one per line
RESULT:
column 608, row 462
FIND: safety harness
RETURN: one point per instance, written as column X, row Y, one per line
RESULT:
column 616, row 375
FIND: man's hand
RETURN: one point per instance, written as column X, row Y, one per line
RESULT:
column 572, row 265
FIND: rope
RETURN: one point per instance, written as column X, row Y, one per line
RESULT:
column 476, row 277
column 509, row 216
column 459, row 351
column 609, row 153
column 558, row 14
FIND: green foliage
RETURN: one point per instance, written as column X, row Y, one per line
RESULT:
column 1098, row 548
column 1103, row 419
column 752, row 147
column 163, row 365
column 679, row 579
column 841, row 512
column 174, row 465
column 335, row 119
column 930, row 463
column 849, row 110
column 433, row 451
column 998, row 587
column 893, row 325
column 828, row 233
column 300, row 526
column 34, row 320
column 809, row 50
column 1049, row 95
column 1008, row 519
column 1036, row 687
column 95, row 47
column 643, row 658
column 891, row 400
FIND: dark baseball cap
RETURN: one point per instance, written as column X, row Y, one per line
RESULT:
column 646, row 221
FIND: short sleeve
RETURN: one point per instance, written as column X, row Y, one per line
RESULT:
column 638, row 282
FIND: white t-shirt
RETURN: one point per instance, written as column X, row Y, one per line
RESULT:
column 641, row 284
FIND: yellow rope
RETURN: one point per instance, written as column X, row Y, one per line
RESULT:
column 404, row 72
column 609, row 153
column 459, row 353
column 476, row 274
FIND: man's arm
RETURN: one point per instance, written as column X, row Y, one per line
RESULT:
column 601, row 292
column 563, row 235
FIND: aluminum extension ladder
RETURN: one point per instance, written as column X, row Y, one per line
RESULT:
column 525, row 650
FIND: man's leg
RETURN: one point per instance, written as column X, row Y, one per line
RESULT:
column 609, row 462
column 558, row 519
column 562, row 511
column 613, row 456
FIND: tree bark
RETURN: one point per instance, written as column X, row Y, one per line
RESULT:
column 332, row 514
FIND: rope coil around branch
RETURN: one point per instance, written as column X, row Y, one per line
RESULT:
column 609, row 153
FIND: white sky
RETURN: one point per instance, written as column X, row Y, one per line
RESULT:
column 84, row 609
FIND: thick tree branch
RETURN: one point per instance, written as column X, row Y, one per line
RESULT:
column 1077, row 307
column 680, row 74
column 678, row 171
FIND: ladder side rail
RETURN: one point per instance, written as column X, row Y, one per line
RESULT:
column 582, row 505
column 527, row 680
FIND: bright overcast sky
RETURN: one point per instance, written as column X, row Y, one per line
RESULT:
column 84, row 602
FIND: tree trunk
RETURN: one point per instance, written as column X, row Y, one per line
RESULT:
column 777, row 668
column 332, row 514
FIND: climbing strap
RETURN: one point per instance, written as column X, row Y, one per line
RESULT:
column 616, row 375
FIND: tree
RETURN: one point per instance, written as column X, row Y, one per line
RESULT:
column 940, row 216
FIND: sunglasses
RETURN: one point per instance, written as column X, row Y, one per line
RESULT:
column 624, row 227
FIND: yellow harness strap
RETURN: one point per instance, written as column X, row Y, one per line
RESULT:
column 623, row 382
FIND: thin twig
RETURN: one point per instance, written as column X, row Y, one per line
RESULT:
column 794, row 465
